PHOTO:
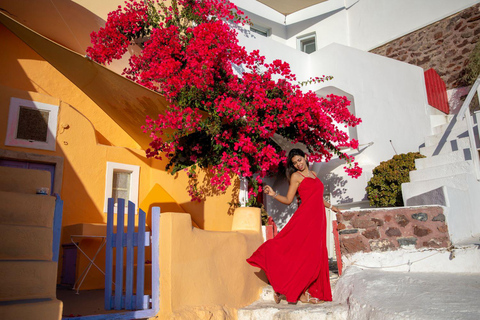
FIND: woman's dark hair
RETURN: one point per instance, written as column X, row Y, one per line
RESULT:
column 290, row 167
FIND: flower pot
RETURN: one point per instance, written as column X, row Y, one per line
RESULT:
column 247, row 219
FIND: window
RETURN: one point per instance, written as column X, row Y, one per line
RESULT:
column 32, row 124
column 307, row 43
column 260, row 30
column 121, row 181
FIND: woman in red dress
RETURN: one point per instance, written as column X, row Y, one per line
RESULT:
column 296, row 260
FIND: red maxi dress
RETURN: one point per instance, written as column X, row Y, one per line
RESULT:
column 297, row 259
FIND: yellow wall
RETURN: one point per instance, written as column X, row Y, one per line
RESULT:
column 204, row 275
column 86, row 139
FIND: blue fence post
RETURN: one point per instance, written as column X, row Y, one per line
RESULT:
column 119, row 254
column 155, row 259
column 57, row 227
column 140, row 260
column 109, row 256
column 129, row 267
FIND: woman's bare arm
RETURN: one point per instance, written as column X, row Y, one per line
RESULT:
column 292, row 190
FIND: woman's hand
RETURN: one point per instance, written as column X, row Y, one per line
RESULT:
column 268, row 190
column 336, row 210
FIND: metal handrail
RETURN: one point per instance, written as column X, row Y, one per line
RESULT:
column 468, row 119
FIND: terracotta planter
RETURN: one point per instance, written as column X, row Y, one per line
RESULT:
column 247, row 219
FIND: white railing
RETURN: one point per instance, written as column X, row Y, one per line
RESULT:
column 463, row 113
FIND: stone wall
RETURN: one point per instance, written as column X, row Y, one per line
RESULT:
column 444, row 46
column 392, row 228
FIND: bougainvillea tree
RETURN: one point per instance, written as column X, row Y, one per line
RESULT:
column 226, row 104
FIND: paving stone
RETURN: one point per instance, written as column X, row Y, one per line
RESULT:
column 393, row 232
column 381, row 245
column 420, row 216
column 439, row 217
column 421, row 231
column 407, row 241
column 402, row 220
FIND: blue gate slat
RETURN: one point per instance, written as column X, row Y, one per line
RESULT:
column 155, row 259
column 57, row 227
column 147, row 306
column 135, row 240
column 129, row 268
column 109, row 256
column 141, row 259
column 119, row 254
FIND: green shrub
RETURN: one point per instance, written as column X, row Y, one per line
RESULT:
column 385, row 187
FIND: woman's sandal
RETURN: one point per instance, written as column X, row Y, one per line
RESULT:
column 311, row 299
column 278, row 297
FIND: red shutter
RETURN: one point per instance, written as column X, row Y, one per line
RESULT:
column 436, row 91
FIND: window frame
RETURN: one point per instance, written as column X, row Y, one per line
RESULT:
column 134, row 183
column 304, row 38
column 12, row 126
column 261, row 31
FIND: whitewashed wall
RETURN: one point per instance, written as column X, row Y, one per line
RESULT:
column 388, row 95
column 362, row 24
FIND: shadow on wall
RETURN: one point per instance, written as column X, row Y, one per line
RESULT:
column 337, row 186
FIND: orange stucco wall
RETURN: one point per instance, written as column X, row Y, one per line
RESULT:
column 86, row 139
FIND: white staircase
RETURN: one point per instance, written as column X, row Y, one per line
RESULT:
column 448, row 177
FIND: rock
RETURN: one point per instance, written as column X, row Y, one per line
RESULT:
column 352, row 245
column 421, row 231
column 348, row 231
column 381, row 245
column 371, row 234
column 348, row 215
column 438, row 35
column 363, row 223
column 340, row 226
column 436, row 243
column 388, row 218
column 402, row 220
column 420, row 216
column 439, row 217
column 393, row 232
column 407, row 241
column 378, row 222
column 443, row 228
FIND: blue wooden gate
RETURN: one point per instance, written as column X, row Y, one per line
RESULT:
column 119, row 295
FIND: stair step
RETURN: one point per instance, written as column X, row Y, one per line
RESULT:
column 23, row 180
column 24, row 280
column 26, row 209
column 49, row 309
column 456, row 133
column 25, row 243
column 443, row 159
column 415, row 188
column 265, row 310
column 442, row 171
column 449, row 146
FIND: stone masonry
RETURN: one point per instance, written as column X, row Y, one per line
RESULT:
column 444, row 45
column 392, row 228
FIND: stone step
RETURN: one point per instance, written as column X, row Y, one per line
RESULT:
column 266, row 310
column 452, row 123
column 49, row 309
column 24, row 280
column 25, row 243
column 412, row 189
column 26, row 209
column 447, row 147
column 23, row 180
column 443, row 159
column 442, row 171
column 456, row 133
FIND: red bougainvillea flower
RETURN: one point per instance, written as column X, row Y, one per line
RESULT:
column 190, row 54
